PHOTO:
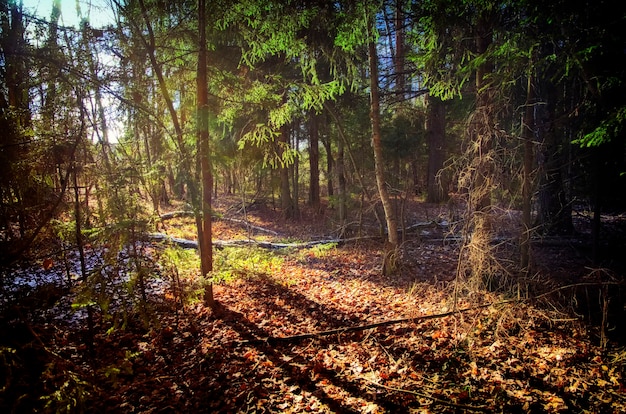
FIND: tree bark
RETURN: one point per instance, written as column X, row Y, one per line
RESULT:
column 314, row 161
column 295, row 170
column 528, row 123
column 379, row 164
column 204, row 226
column 435, row 137
column 399, row 57
column 185, row 158
column 286, row 201
column 555, row 211
column 329, row 166
column 342, row 188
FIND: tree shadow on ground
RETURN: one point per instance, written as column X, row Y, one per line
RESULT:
column 290, row 362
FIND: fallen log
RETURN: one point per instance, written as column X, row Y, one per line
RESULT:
column 162, row 237
column 176, row 214
column 192, row 244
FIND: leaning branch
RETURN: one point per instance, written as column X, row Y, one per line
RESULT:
column 348, row 329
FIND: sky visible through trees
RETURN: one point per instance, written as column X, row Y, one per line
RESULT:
column 312, row 206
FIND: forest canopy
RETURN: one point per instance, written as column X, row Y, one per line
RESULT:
column 120, row 117
column 537, row 89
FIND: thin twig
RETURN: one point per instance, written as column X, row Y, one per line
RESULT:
column 430, row 397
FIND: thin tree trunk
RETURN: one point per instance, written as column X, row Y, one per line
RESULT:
column 286, row 201
column 314, row 161
column 527, row 136
column 178, row 130
column 81, row 256
column 357, row 170
column 295, row 171
column 554, row 211
column 341, row 180
column 379, row 164
column 329, row 166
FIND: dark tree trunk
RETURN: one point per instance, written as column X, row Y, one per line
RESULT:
column 341, row 180
column 399, row 57
column 528, row 128
column 286, row 202
column 314, row 161
column 295, row 171
column 435, row 137
column 554, row 207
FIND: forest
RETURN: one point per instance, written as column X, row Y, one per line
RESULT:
column 265, row 206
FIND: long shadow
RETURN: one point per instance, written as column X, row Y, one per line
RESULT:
column 370, row 271
column 285, row 356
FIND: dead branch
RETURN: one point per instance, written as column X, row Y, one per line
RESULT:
column 189, row 213
column 357, row 328
column 347, row 329
column 439, row 401
column 251, row 226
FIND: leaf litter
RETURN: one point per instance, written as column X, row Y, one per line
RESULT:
column 510, row 357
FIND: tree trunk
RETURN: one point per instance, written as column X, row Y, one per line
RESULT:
column 286, row 202
column 329, row 165
column 341, row 180
column 204, row 225
column 314, row 161
column 295, row 172
column 81, row 255
column 528, row 124
column 185, row 158
column 481, row 134
column 389, row 265
column 435, row 137
column 555, row 211
column 399, row 56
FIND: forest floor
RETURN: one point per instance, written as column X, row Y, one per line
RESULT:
column 442, row 345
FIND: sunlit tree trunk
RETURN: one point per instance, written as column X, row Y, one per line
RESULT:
column 102, row 130
column 295, row 169
column 329, row 165
column 389, row 265
column 81, row 252
column 204, row 225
